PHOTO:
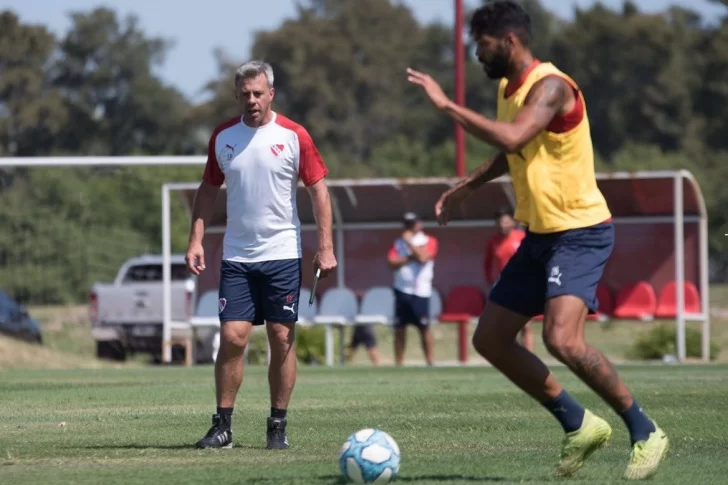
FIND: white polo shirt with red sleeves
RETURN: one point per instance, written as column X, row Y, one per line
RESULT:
column 415, row 278
column 261, row 168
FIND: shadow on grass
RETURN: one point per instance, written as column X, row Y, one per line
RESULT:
column 137, row 446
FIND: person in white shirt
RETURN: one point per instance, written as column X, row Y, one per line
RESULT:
column 412, row 258
column 260, row 156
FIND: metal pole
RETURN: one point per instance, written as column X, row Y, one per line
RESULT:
column 680, row 266
column 459, row 87
column 166, row 278
column 704, row 285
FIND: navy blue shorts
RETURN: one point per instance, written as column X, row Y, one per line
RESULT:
column 363, row 335
column 411, row 310
column 260, row 292
column 548, row 265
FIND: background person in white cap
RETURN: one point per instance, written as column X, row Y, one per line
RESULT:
column 412, row 258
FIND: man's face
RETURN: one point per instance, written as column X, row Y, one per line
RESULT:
column 494, row 55
column 254, row 97
column 506, row 224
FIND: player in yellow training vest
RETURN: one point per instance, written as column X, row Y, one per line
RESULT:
column 543, row 135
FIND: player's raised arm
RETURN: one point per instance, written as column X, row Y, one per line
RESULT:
column 544, row 101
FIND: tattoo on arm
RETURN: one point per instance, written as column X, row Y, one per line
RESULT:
column 548, row 94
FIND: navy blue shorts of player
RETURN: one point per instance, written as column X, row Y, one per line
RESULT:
column 363, row 335
column 411, row 310
column 549, row 265
column 260, row 292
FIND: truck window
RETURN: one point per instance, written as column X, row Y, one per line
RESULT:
column 146, row 273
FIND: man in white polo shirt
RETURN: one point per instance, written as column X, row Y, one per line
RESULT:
column 260, row 156
column 412, row 258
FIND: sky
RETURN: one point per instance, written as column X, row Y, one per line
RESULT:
column 231, row 24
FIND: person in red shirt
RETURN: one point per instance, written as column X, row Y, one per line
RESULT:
column 499, row 250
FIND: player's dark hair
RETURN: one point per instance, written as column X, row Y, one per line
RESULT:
column 500, row 17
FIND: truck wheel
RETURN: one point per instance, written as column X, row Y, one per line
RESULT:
column 110, row 350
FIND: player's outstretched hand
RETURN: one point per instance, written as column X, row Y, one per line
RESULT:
column 430, row 86
column 448, row 201
column 195, row 258
column 325, row 261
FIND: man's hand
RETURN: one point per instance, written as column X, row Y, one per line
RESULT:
column 195, row 258
column 324, row 260
column 407, row 236
column 448, row 201
column 431, row 88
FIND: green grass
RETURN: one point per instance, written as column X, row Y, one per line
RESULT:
column 454, row 425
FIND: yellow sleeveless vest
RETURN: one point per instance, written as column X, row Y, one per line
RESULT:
column 553, row 175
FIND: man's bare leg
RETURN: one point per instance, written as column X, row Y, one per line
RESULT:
column 228, row 377
column 495, row 339
column 527, row 336
column 374, row 355
column 229, row 364
column 282, row 371
column 400, row 338
column 427, row 344
column 563, row 332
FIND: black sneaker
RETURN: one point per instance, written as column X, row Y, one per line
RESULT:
column 219, row 436
column 277, row 439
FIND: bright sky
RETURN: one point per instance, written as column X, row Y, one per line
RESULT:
column 230, row 24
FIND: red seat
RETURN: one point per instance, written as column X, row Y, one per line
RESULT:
column 606, row 304
column 462, row 304
column 667, row 300
column 636, row 300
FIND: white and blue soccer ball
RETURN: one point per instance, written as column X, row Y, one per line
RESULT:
column 369, row 456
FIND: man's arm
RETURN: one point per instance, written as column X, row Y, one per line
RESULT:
column 424, row 253
column 544, row 101
column 321, row 202
column 202, row 209
column 488, row 264
column 490, row 170
column 396, row 261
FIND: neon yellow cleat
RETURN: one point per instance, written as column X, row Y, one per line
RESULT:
column 647, row 455
column 580, row 444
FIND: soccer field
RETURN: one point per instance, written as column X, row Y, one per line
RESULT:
column 454, row 425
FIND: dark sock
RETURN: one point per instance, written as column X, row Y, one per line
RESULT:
column 567, row 410
column 637, row 422
column 278, row 413
column 226, row 416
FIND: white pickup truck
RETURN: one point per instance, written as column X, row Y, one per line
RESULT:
column 127, row 315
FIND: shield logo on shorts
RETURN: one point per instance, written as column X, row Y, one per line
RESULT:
column 221, row 305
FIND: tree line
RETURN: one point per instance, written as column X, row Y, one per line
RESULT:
column 656, row 87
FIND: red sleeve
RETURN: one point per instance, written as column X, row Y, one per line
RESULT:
column 488, row 261
column 311, row 167
column 431, row 247
column 213, row 174
column 393, row 253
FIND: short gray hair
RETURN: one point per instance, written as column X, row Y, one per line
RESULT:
column 252, row 69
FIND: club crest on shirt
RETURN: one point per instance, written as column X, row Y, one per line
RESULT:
column 277, row 149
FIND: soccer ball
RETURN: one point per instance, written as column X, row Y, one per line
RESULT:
column 369, row 456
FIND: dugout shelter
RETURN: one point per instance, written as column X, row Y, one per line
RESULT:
column 661, row 243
